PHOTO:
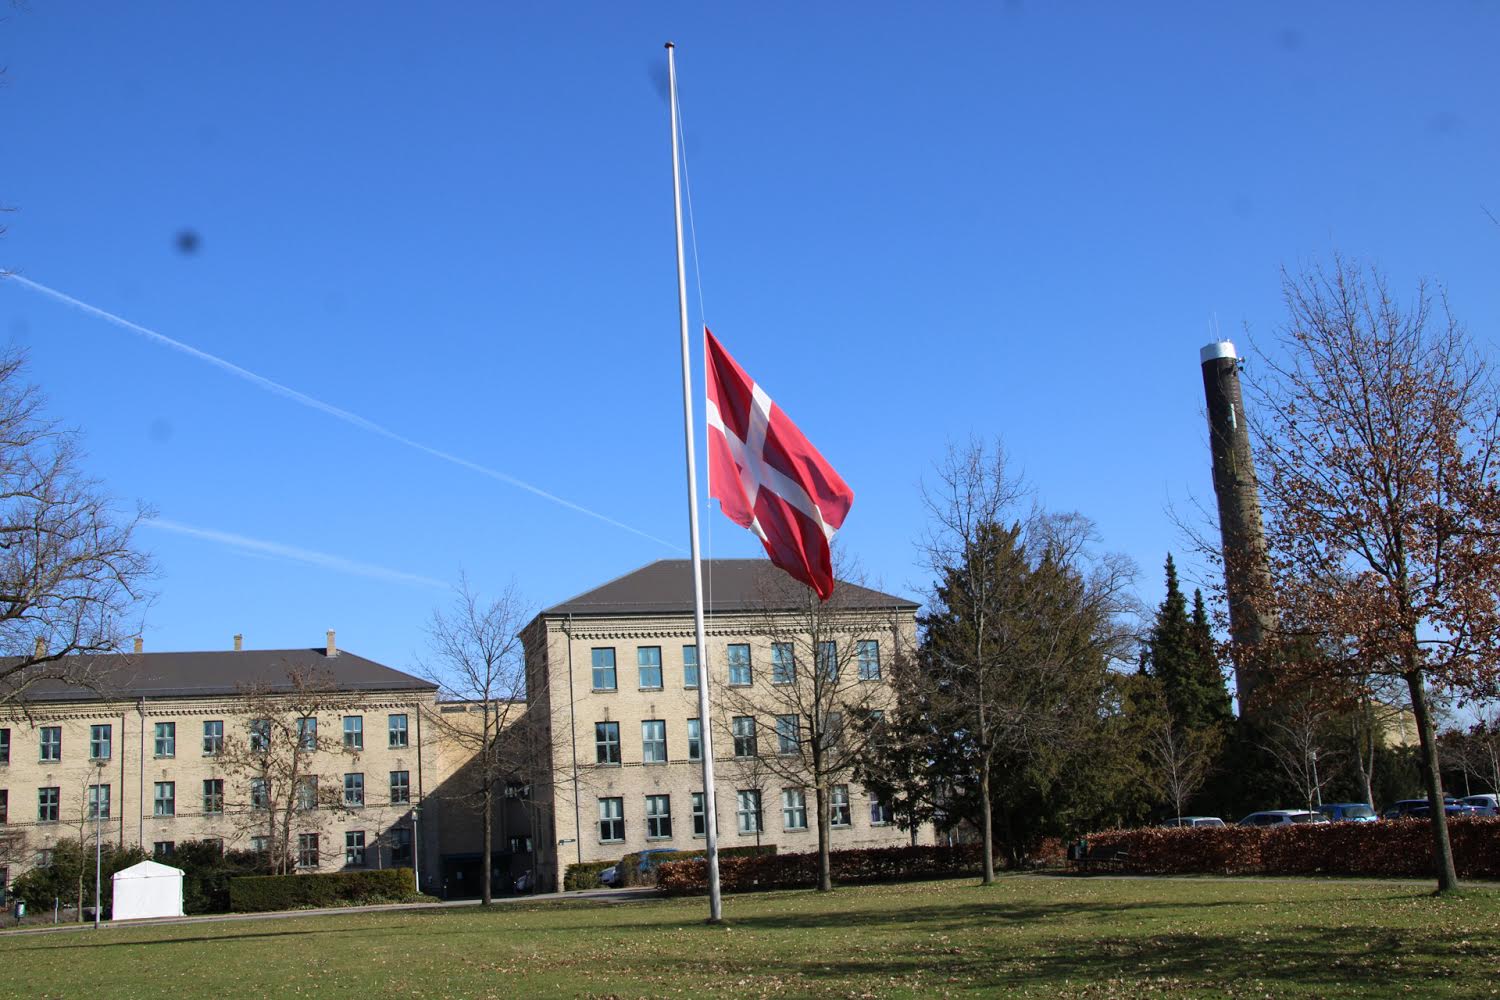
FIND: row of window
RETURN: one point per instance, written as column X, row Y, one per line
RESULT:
column 164, row 798
column 741, row 670
column 748, row 814
column 101, row 737
column 742, row 728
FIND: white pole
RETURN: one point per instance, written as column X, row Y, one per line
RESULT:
column 98, row 851
column 416, row 849
column 705, row 726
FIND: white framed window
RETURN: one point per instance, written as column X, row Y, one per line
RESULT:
column 47, row 804
column 700, row 815
column 100, row 740
column 648, row 667
column 838, row 806
column 690, row 666
column 354, row 848
column 658, row 817
column 165, row 743
column 880, row 812
column 828, row 660
column 520, row 845
column 354, row 790
column 307, row 850
column 213, row 795
column 869, row 659
column 213, row 737
column 400, row 845
column 743, row 727
column 307, row 792
column 260, row 735
column 260, row 844
column 748, row 812
column 98, row 802
column 260, row 793
column 51, row 744
column 788, row 735
column 695, row 739
column 400, row 787
column 354, row 733
column 783, row 663
column 307, row 733
column 607, row 742
column 794, row 809
column 396, row 732
column 740, row 674
column 4, row 746
column 604, row 668
column 654, row 741
column 164, row 801
column 163, row 849
column 611, row 820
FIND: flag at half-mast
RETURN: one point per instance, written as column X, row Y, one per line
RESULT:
column 768, row 477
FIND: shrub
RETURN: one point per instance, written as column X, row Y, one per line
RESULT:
column 70, row 861
column 207, row 870
column 584, row 875
column 1387, row 848
column 630, row 864
column 257, row 893
column 798, row 871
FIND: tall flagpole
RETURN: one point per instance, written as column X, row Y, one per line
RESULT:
column 705, row 727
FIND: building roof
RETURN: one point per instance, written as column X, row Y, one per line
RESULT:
column 666, row 587
column 129, row 676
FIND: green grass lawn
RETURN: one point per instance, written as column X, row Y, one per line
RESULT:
column 1023, row 937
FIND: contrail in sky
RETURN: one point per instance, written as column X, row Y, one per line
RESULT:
column 309, row 556
column 286, row 392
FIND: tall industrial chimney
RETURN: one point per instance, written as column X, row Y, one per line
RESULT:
column 1246, row 572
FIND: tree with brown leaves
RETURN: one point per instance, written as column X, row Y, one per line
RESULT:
column 1379, row 424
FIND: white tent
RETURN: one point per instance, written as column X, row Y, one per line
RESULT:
column 147, row 890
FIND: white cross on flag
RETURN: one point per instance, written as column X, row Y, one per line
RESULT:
column 769, row 478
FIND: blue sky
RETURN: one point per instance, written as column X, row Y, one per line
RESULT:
column 917, row 223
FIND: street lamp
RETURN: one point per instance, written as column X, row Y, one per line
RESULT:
column 98, row 849
column 416, row 852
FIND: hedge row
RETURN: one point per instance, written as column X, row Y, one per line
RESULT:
column 584, row 875
column 1388, row 848
column 630, row 864
column 256, row 893
column 800, row 871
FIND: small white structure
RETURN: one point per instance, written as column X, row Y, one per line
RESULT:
column 147, row 890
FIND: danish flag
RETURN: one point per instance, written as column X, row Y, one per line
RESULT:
column 769, row 478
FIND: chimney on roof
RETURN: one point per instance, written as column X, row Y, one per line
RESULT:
column 41, row 647
column 239, row 641
column 333, row 649
column 140, row 644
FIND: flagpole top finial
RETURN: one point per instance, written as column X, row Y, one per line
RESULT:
column 671, row 45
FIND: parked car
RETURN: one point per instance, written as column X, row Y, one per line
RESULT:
column 1282, row 817
column 1420, row 809
column 1348, row 812
column 526, row 883
column 1194, row 821
column 1487, row 805
column 649, row 860
column 610, row 876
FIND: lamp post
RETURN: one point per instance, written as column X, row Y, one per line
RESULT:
column 98, row 850
column 416, row 852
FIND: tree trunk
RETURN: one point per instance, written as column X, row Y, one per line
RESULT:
column 825, row 835
column 986, row 821
column 1447, row 876
column 486, row 863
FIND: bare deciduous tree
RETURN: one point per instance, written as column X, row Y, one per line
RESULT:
column 820, row 687
column 1179, row 760
column 1378, row 446
column 70, row 575
column 478, row 659
column 278, row 757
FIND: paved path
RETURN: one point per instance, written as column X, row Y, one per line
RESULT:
column 593, row 895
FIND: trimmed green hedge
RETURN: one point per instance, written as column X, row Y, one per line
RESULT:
column 800, row 871
column 257, row 893
column 631, row 863
column 585, row 875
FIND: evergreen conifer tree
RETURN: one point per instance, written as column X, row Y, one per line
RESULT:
column 1180, row 651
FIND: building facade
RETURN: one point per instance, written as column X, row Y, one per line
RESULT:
column 194, row 746
column 613, row 674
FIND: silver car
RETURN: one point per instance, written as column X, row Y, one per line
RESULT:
column 1282, row 817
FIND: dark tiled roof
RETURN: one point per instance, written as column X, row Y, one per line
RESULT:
column 666, row 587
column 221, row 673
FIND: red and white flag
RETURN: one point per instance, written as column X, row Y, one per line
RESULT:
column 769, row 478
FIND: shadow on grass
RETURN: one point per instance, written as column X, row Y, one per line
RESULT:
column 92, row 942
